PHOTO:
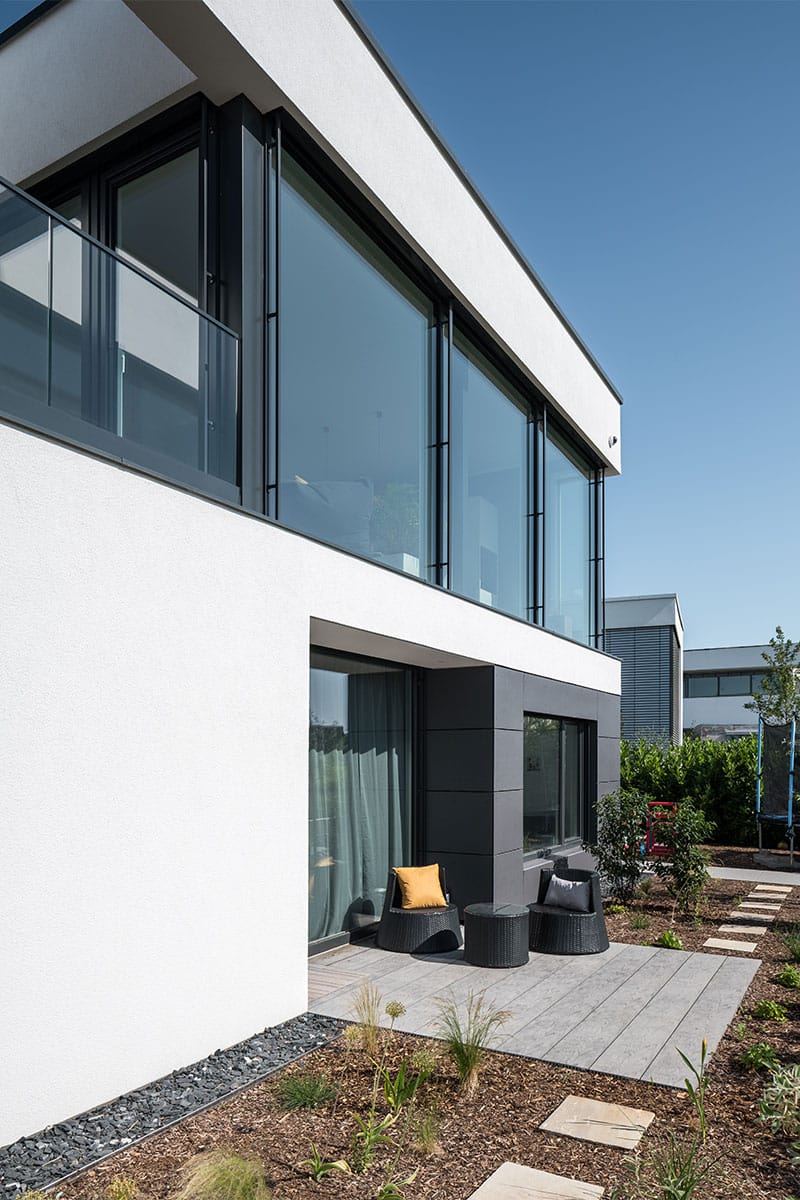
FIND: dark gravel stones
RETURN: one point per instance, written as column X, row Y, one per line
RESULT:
column 47, row 1157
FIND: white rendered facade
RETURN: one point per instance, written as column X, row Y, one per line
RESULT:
column 726, row 675
column 154, row 681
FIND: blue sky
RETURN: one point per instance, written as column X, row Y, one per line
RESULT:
column 644, row 156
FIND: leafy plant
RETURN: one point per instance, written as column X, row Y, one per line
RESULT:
column 791, row 939
column 759, row 1056
column 769, row 1010
column 685, row 869
column 370, row 1134
column 614, row 909
column 620, row 822
column 640, row 921
column 779, row 1106
column 697, row 1090
column 645, row 887
column 669, row 940
column 468, row 1039
column 778, row 700
column 121, row 1187
column 320, row 1167
column 673, row 1168
column 401, row 1089
column 223, row 1176
column 788, row 977
column 367, row 1009
column 308, row 1090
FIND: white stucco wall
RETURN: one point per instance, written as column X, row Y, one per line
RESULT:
column 153, row 768
column 82, row 69
column 721, row 710
column 308, row 56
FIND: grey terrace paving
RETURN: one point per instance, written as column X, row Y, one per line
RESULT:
column 622, row 1012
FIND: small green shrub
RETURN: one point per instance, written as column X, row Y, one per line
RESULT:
column 685, row 869
column 121, row 1187
column 759, row 1056
column 779, row 1106
column 467, row 1039
column 612, row 910
column 320, row 1167
column 645, row 888
column 669, row 940
column 222, row 1176
column 427, row 1127
column 308, row 1090
column 769, row 1010
column 620, row 823
column 791, row 939
column 671, row 1168
column 789, row 977
column 640, row 921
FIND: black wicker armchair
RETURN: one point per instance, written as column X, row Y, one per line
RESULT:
column 417, row 930
column 561, row 930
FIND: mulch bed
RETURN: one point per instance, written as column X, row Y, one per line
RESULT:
column 514, row 1095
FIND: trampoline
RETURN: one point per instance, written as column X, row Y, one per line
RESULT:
column 775, row 793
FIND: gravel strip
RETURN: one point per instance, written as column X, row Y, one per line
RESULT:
column 46, row 1158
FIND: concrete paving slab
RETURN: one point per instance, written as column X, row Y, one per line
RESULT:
column 514, row 1182
column 729, row 944
column 708, row 1017
column 753, row 906
column 743, row 927
column 754, row 875
column 783, row 889
column 760, row 897
column 633, row 1052
column 752, row 916
column 596, row 1121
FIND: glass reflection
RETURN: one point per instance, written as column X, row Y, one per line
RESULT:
column 568, row 539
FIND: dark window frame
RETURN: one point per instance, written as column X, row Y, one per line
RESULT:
column 588, row 735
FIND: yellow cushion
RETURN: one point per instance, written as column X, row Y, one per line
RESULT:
column 420, row 887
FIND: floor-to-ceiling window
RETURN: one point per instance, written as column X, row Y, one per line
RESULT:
column 489, row 488
column 555, row 782
column 359, row 809
column 356, row 355
column 568, row 541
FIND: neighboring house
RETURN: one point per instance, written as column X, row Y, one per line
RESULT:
column 646, row 633
column 301, row 474
column 717, row 684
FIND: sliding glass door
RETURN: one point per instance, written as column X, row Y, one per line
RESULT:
column 555, row 782
column 359, row 807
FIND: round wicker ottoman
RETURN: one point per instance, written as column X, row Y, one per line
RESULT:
column 496, row 935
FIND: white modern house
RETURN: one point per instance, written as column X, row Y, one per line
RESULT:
column 301, row 565
column 646, row 633
column 717, row 684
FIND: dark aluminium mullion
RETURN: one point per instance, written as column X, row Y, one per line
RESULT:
column 542, row 591
column 447, row 497
column 273, row 164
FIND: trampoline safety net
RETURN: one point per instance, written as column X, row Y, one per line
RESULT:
column 776, row 763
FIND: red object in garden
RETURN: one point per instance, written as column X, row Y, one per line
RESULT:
column 658, row 811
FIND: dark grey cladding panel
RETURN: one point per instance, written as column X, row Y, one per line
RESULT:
column 460, row 698
column 508, row 760
column 553, row 698
column 508, row 878
column 459, row 822
column 608, row 715
column 460, row 760
column 470, row 877
column 508, row 706
column 507, row 821
column 608, row 760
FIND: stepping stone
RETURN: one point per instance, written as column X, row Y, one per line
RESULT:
column 727, row 944
column 750, row 930
column 772, row 887
column 513, row 1182
column 748, row 905
column 596, row 1121
column 752, row 916
column 760, row 897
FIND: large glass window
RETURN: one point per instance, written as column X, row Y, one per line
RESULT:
column 489, row 490
column 555, row 782
column 568, row 539
column 359, row 789
column 355, row 367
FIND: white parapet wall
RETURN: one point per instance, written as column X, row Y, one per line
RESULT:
column 154, row 708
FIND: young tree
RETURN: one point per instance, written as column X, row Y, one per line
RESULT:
column 778, row 700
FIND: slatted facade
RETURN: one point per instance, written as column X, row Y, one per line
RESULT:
column 651, row 681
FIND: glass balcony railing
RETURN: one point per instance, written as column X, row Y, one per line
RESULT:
column 93, row 348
